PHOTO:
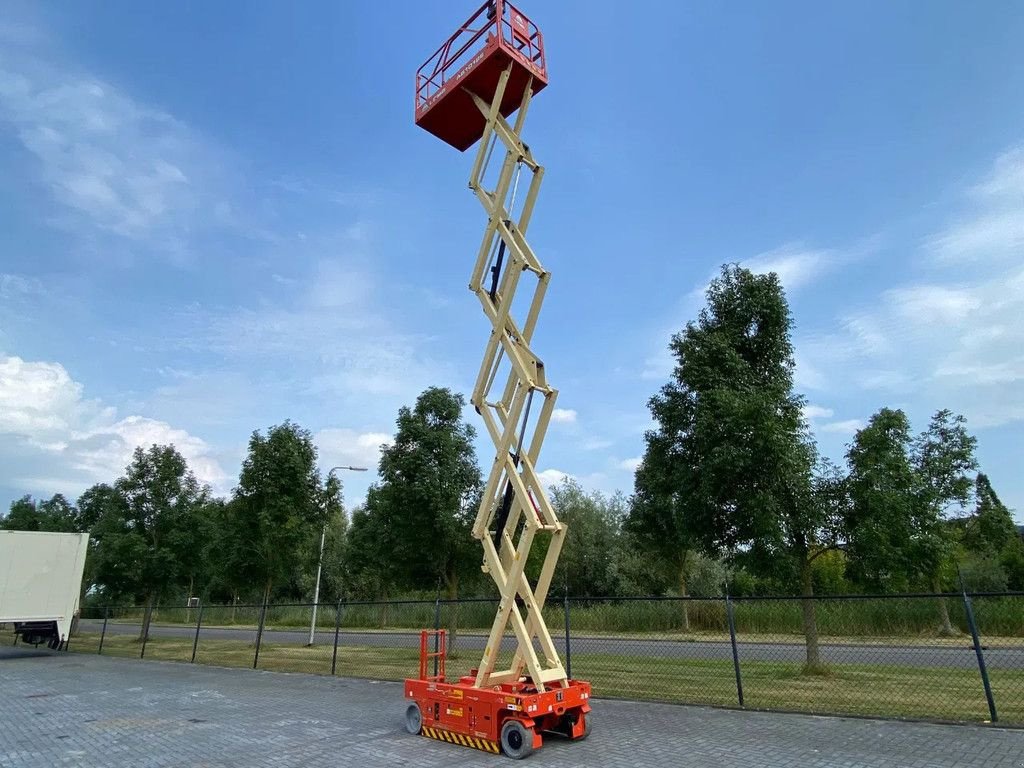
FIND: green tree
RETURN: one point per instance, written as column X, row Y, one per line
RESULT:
column 370, row 571
column 943, row 458
column 224, row 555
column 730, row 465
column 588, row 563
column 276, row 508
column 428, row 480
column 335, row 549
column 144, row 534
column 902, row 491
column 95, row 503
column 991, row 528
column 55, row 514
column 992, row 541
column 884, row 503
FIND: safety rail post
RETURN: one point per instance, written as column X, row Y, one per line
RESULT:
column 103, row 632
column 337, row 628
column 568, row 651
column 437, row 630
column 195, row 641
column 969, row 609
column 259, row 635
column 735, row 650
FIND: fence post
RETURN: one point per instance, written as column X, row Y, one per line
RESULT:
column 437, row 628
column 103, row 632
column 337, row 626
column 568, row 650
column 199, row 623
column 259, row 635
column 981, row 656
column 145, row 626
column 735, row 650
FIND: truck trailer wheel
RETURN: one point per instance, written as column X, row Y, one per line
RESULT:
column 516, row 739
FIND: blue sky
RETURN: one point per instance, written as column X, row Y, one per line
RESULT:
column 214, row 218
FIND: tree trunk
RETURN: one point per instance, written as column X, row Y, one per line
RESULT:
column 234, row 605
column 147, row 616
column 266, row 592
column 188, row 600
column 810, row 618
column 682, row 590
column 945, row 625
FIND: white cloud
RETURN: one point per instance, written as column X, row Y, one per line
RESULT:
column 117, row 167
column 961, row 345
column 993, row 230
column 816, row 412
column 347, row 447
column 890, row 380
column 53, row 439
column 933, row 304
column 944, row 339
column 795, row 265
column 847, row 427
column 563, row 416
column 552, row 477
column 15, row 286
column 334, row 328
column 596, row 444
column 630, row 465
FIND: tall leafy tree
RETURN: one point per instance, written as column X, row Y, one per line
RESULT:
column 903, row 488
column 991, row 528
column 991, row 536
column 276, row 505
column 422, row 503
column 883, row 492
column 145, row 532
column 943, row 457
column 370, row 570
column 96, row 503
column 335, row 550
column 730, row 464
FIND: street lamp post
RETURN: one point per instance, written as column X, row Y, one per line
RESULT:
column 320, row 562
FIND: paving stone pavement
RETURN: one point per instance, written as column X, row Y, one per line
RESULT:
column 74, row 710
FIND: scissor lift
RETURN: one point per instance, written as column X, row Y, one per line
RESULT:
column 488, row 70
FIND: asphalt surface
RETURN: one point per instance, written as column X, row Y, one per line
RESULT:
column 956, row 657
column 90, row 711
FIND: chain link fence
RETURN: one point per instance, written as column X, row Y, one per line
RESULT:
column 926, row 656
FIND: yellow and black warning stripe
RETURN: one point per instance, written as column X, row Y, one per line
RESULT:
column 457, row 738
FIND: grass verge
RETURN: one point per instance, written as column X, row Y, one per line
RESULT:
column 852, row 689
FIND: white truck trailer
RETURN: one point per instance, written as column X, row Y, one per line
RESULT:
column 40, row 582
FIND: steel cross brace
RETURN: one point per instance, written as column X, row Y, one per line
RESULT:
column 515, row 508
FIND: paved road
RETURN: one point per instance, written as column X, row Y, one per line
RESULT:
column 959, row 657
column 90, row 711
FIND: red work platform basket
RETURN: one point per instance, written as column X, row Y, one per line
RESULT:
column 472, row 60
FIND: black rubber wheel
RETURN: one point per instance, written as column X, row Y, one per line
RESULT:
column 413, row 719
column 586, row 728
column 516, row 740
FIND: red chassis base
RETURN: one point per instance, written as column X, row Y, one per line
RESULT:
column 510, row 718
